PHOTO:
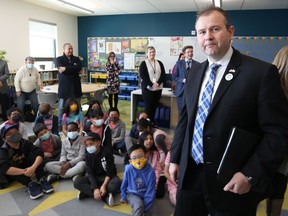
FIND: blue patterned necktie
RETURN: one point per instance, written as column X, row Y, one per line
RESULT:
column 188, row 65
column 203, row 109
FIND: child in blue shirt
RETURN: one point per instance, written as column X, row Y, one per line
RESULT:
column 139, row 182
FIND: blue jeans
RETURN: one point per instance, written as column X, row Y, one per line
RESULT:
column 61, row 103
column 120, row 145
column 32, row 96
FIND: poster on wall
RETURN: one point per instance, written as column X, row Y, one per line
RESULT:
column 139, row 45
column 129, row 61
column 125, row 46
column 176, row 45
column 101, row 45
column 113, row 47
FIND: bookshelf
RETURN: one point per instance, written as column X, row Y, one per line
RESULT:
column 129, row 82
column 48, row 77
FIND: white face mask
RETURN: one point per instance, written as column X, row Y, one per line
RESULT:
column 91, row 149
column 72, row 134
column 98, row 122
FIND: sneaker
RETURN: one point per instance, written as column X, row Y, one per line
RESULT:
column 34, row 190
column 45, row 186
column 52, row 178
column 110, row 200
column 81, row 195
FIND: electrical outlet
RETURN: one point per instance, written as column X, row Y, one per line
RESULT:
column 193, row 32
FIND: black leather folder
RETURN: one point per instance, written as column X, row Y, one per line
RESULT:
column 241, row 145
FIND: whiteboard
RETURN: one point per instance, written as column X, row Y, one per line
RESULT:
column 163, row 45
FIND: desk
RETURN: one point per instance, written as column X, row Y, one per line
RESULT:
column 167, row 99
column 86, row 88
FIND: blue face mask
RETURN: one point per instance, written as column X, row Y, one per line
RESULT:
column 30, row 66
column 45, row 136
column 91, row 149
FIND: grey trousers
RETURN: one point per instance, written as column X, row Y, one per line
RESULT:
column 137, row 205
column 54, row 167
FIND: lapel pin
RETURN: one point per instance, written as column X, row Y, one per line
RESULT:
column 229, row 76
column 232, row 70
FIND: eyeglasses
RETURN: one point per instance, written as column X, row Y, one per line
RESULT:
column 139, row 157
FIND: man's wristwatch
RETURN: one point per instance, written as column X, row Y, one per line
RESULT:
column 252, row 180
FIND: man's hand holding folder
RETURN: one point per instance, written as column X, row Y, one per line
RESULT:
column 240, row 147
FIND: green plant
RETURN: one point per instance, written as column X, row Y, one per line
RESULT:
column 2, row 55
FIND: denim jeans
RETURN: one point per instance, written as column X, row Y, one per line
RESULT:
column 61, row 104
column 32, row 96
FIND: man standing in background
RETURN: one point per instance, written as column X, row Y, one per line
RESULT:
column 69, row 67
column 4, row 89
column 181, row 70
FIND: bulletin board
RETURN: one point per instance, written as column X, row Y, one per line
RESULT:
column 131, row 51
column 264, row 48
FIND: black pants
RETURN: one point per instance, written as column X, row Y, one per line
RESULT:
column 279, row 186
column 193, row 198
column 82, row 184
column 40, row 172
column 110, row 99
column 151, row 100
column 4, row 105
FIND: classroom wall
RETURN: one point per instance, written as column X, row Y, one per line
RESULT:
column 14, row 36
column 247, row 23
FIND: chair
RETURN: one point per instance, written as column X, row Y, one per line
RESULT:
column 50, row 98
column 100, row 95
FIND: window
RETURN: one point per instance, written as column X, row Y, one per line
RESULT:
column 43, row 43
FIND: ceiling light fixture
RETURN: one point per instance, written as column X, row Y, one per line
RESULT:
column 73, row 6
column 217, row 3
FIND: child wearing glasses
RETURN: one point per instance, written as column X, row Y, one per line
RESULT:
column 139, row 182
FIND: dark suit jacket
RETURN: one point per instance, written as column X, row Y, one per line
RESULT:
column 252, row 100
column 69, row 80
column 180, row 74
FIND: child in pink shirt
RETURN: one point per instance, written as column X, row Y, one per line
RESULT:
column 172, row 186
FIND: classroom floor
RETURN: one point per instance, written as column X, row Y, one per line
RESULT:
column 63, row 202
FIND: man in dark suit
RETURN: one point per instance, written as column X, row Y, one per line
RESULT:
column 69, row 67
column 246, row 94
column 180, row 74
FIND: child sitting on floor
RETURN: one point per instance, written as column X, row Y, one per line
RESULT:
column 50, row 144
column 153, row 156
column 139, row 182
column 172, row 185
column 47, row 118
column 21, row 161
column 102, row 181
column 72, row 156
column 72, row 113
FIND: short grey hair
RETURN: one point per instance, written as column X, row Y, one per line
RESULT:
column 29, row 58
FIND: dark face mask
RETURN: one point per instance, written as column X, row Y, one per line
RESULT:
column 15, row 138
column 114, row 119
column 16, row 118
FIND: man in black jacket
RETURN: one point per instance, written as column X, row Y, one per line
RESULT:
column 69, row 67
column 102, row 180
